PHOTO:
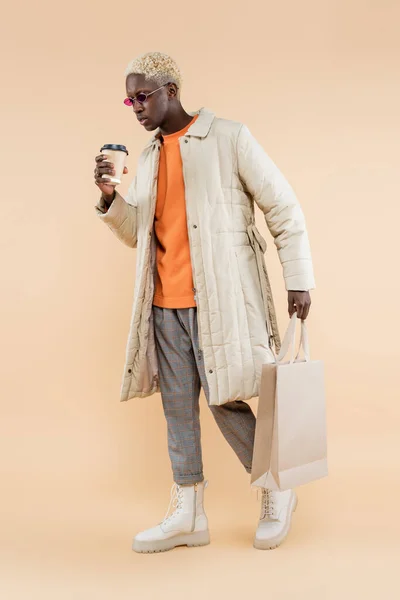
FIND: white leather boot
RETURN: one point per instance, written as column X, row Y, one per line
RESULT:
column 186, row 525
column 275, row 517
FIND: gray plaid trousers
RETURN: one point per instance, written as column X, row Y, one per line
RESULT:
column 181, row 375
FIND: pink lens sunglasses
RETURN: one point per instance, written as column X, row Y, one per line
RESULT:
column 142, row 97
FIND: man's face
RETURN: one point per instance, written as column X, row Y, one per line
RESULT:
column 155, row 107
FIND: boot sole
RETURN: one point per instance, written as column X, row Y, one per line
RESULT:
column 277, row 541
column 197, row 538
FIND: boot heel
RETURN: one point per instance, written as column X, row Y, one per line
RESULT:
column 200, row 538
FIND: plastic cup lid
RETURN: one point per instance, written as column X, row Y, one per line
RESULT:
column 119, row 147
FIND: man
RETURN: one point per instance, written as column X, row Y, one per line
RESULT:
column 203, row 313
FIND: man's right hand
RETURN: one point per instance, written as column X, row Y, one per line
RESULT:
column 105, row 167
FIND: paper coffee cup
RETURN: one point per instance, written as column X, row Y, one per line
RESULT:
column 116, row 154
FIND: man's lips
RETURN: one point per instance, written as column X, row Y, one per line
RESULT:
column 143, row 120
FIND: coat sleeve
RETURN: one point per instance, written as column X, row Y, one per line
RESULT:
column 282, row 211
column 121, row 217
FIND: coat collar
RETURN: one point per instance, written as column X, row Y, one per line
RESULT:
column 200, row 127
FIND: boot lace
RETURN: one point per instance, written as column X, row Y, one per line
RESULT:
column 176, row 501
column 267, row 504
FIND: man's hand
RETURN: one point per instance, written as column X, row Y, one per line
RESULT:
column 299, row 301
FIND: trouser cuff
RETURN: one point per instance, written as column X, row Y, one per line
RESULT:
column 189, row 479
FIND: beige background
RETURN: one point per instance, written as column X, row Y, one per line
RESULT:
column 318, row 84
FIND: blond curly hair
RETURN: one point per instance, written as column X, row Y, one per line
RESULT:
column 157, row 67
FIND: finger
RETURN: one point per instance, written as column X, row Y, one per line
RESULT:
column 307, row 310
column 101, row 158
column 291, row 306
column 104, row 165
column 105, row 170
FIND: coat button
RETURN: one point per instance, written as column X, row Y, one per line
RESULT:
column 195, row 226
column 210, row 371
column 150, row 233
column 129, row 370
column 186, row 141
column 193, row 289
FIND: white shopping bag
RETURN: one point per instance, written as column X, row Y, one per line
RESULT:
column 290, row 446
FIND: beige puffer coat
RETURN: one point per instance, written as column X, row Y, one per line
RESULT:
column 225, row 172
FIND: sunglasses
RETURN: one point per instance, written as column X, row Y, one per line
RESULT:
column 142, row 97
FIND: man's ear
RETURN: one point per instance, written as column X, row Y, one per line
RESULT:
column 172, row 90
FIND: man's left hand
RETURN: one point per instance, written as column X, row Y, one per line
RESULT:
column 299, row 301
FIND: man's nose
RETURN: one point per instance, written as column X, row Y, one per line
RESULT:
column 137, row 107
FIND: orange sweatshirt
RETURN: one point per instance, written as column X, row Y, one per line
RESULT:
column 174, row 280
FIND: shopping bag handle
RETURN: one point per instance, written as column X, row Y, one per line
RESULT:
column 289, row 340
